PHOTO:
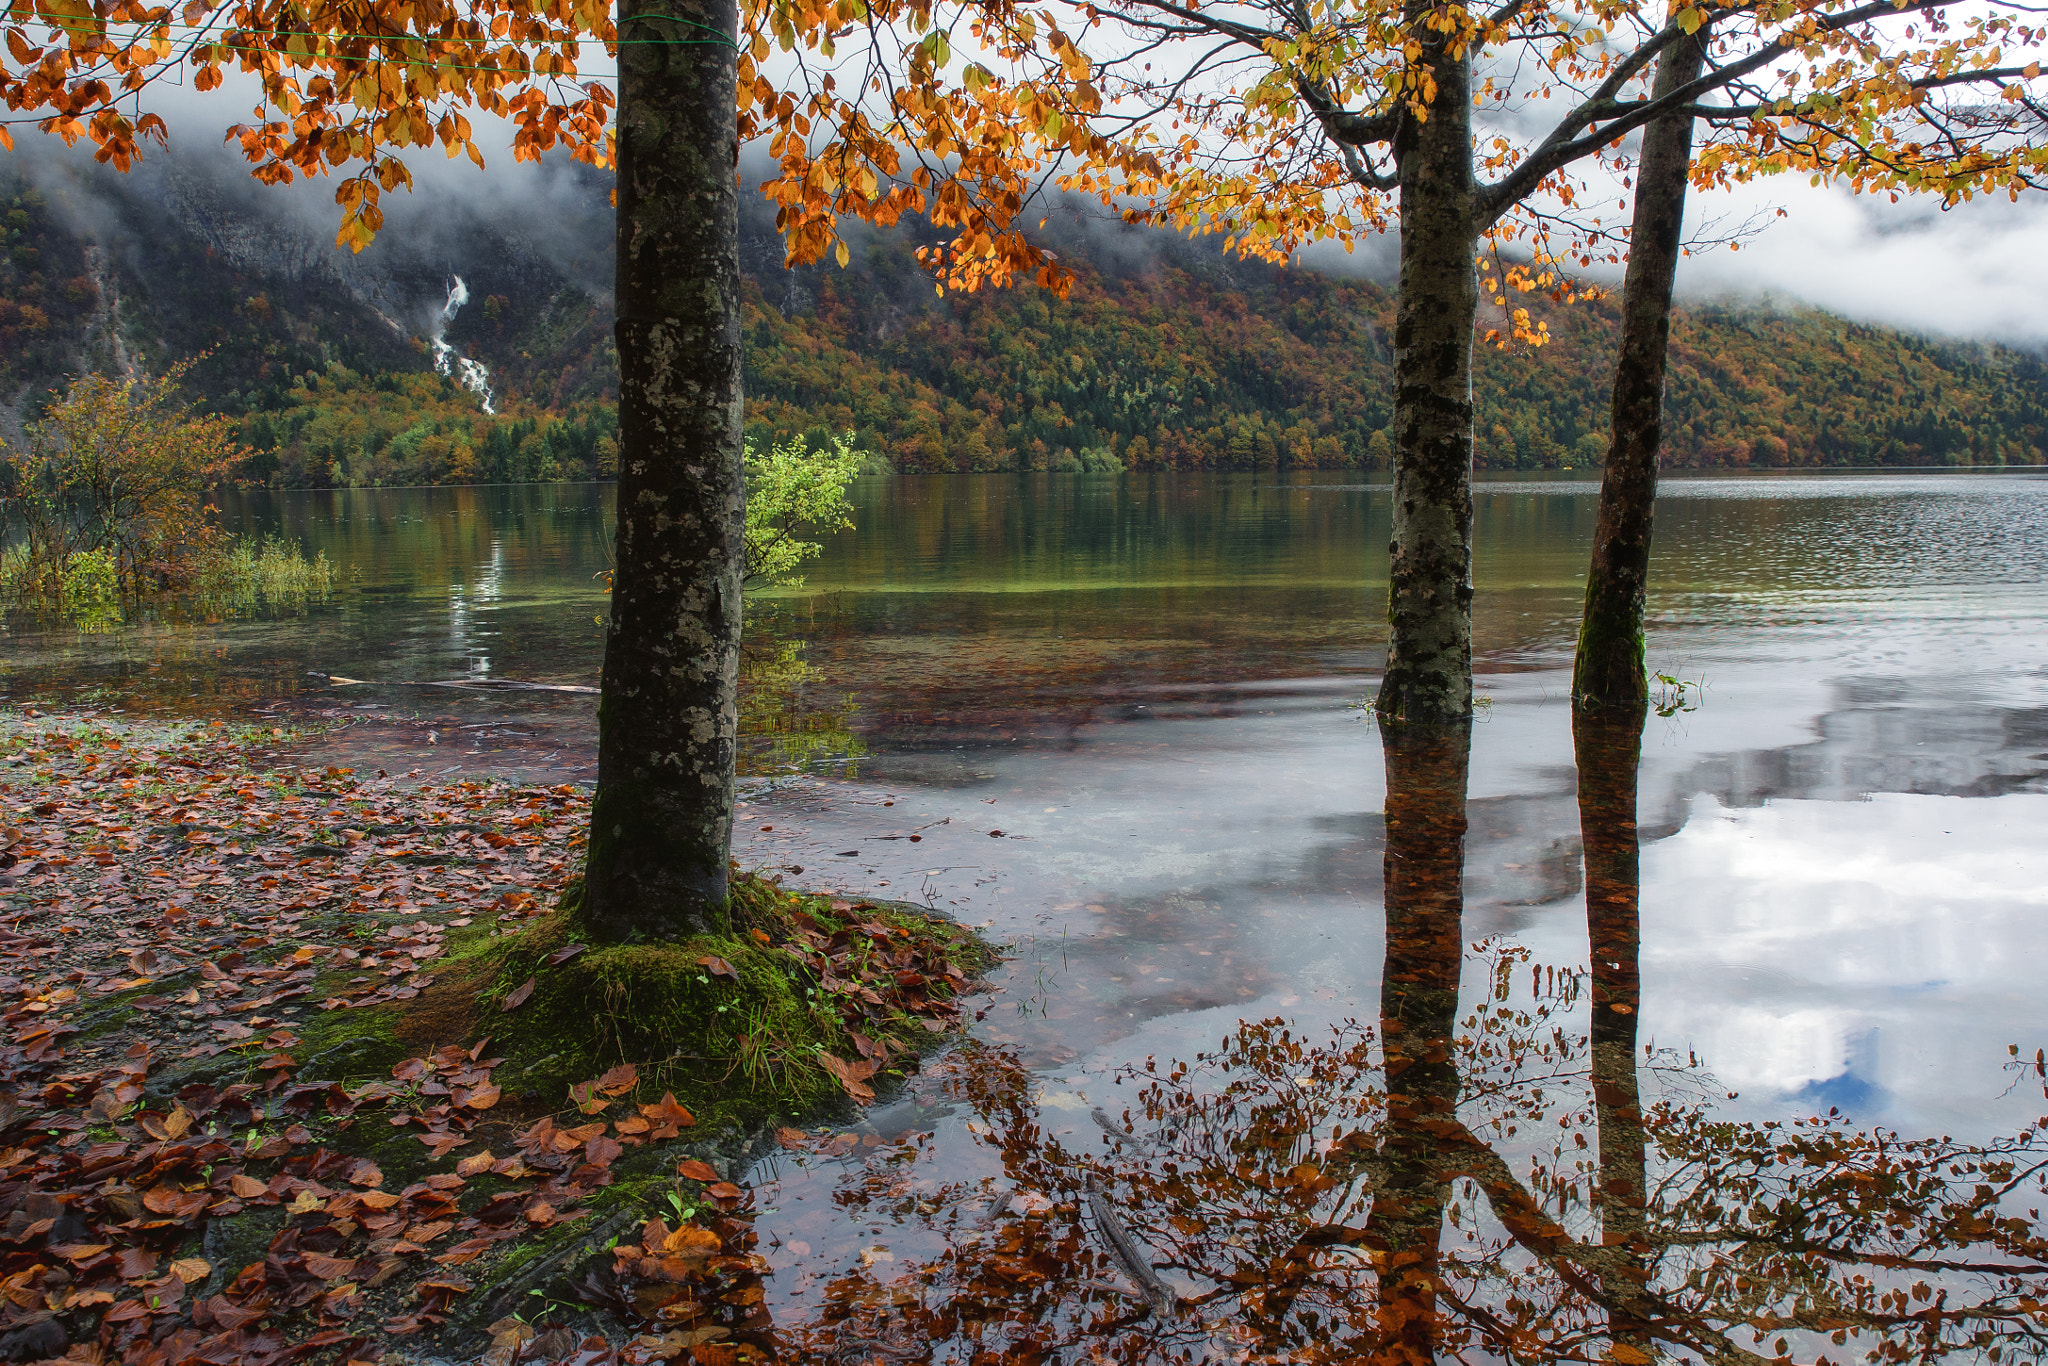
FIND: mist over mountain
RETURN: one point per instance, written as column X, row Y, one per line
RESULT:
column 1167, row 354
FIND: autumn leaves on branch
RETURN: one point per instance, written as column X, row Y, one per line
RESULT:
column 1274, row 124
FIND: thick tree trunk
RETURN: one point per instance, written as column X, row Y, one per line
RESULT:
column 1429, row 609
column 1425, row 872
column 1609, row 670
column 1608, row 746
column 661, row 818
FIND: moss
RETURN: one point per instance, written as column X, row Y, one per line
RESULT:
column 737, row 1050
column 351, row 1045
column 732, row 1049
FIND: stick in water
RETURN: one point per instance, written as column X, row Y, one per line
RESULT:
column 1128, row 1255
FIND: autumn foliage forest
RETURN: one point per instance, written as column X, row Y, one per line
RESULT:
column 1165, row 357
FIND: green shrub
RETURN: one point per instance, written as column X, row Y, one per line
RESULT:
column 251, row 572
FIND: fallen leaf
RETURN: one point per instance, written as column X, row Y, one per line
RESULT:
column 519, row 995
column 691, row 1241
column 564, row 954
column 80, row 1252
column 191, row 1270
column 717, row 967
column 483, row 1098
column 694, row 1170
column 852, row 1076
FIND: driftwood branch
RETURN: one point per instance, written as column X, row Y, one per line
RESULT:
column 467, row 684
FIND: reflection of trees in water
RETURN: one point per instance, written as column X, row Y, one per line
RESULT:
column 789, row 724
column 1484, row 1187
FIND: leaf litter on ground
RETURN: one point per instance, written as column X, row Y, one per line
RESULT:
column 172, row 907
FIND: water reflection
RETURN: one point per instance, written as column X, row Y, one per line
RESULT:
column 1518, row 1180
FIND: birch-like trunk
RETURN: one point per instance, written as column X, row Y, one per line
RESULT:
column 1609, row 670
column 1429, row 609
column 661, row 818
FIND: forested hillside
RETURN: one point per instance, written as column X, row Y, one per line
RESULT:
column 1165, row 356
column 1183, row 364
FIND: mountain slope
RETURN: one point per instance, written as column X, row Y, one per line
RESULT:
column 1165, row 355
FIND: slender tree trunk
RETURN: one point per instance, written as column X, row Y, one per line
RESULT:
column 1609, row 670
column 661, row 818
column 1425, row 871
column 1608, row 745
column 1429, row 610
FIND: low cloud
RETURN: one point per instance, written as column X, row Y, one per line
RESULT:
column 1971, row 272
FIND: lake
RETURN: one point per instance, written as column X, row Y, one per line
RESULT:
column 1119, row 722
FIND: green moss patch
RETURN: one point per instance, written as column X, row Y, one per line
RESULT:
column 809, row 1002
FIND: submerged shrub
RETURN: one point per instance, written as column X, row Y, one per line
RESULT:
column 116, row 469
column 250, row 572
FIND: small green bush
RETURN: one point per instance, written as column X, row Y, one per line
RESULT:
column 251, row 572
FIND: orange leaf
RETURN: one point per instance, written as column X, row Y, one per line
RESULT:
column 691, row 1168
column 691, row 1241
column 669, row 1111
column 852, row 1076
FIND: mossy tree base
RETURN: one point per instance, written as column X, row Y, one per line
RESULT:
column 738, row 1026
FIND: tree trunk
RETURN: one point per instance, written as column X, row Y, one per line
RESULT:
column 661, row 818
column 1609, row 671
column 1608, row 745
column 1425, row 881
column 1429, row 609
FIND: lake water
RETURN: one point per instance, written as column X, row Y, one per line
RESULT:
column 1121, row 718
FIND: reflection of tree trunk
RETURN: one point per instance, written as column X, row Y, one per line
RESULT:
column 1425, row 867
column 1609, row 668
column 1608, row 743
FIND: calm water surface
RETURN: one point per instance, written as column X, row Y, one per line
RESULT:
column 1120, row 717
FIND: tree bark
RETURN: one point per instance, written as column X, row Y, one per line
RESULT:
column 1425, row 872
column 661, row 818
column 1607, row 742
column 1429, row 609
column 1609, row 670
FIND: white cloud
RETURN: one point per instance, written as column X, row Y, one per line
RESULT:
column 1970, row 272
